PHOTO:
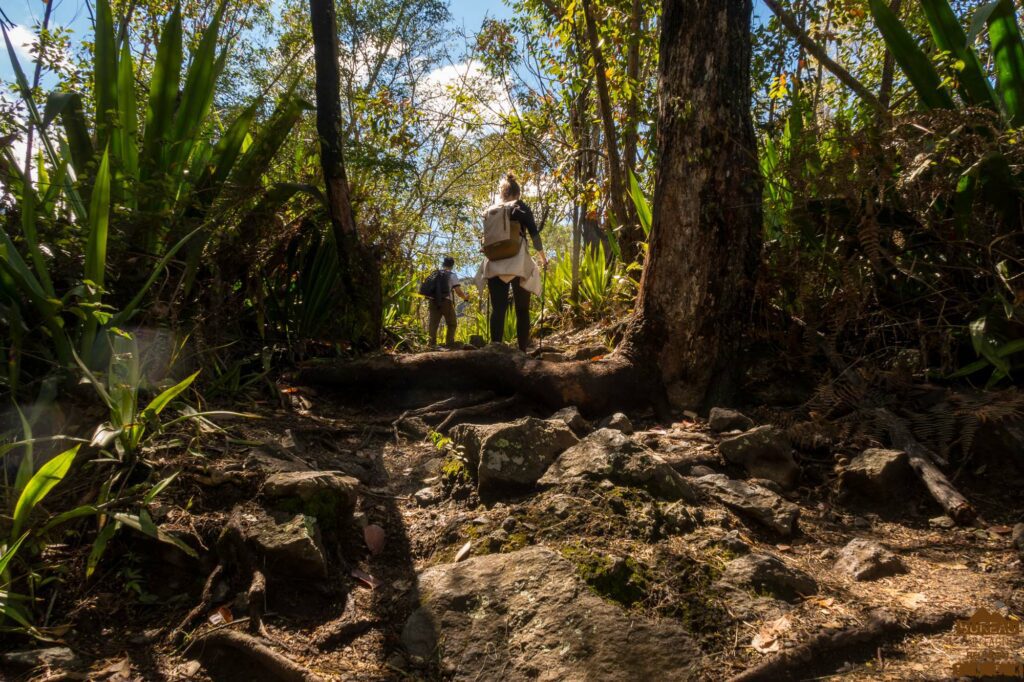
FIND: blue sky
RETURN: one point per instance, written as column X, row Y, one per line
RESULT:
column 74, row 14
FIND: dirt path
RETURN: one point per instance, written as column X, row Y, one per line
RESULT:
column 657, row 563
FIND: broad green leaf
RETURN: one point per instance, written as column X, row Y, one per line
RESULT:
column 27, row 465
column 136, row 523
column 41, row 483
column 973, row 84
column 163, row 96
column 158, row 403
column 127, row 134
column 1008, row 55
column 99, row 546
column 915, row 63
column 104, row 73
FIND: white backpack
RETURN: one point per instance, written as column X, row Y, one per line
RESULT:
column 502, row 235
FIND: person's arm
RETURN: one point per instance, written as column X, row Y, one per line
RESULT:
column 525, row 217
column 459, row 292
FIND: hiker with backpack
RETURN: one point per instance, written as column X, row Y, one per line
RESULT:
column 438, row 288
column 507, row 262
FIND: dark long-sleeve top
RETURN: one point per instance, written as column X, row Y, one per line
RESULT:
column 522, row 213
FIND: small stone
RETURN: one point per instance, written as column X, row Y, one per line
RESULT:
column 464, row 551
column 721, row 419
column 589, row 352
column 731, row 541
column 861, row 522
column 678, row 518
column 618, row 422
column 1017, row 537
column 760, row 504
column 763, row 572
column 571, row 417
column 509, row 524
column 189, row 670
column 765, row 452
column 767, row 484
column 425, row 496
column 701, row 470
column 496, row 539
column 865, row 560
column 942, row 522
column 327, row 495
column 290, row 544
column 827, row 554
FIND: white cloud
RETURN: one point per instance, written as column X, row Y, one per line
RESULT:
column 467, row 83
column 23, row 39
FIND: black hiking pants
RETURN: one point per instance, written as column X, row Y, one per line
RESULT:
column 499, row 306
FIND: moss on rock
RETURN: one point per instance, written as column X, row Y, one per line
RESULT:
column 616, row 578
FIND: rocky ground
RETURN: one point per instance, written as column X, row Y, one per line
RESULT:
column 359, row 543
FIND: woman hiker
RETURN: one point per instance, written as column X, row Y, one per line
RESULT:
column 518, row 272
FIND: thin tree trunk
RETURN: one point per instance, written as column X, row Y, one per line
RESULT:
column 819, row 53
column 617, row 192
column 359, row 268
column 888, row 65
column 630, row 136
column 705, row 242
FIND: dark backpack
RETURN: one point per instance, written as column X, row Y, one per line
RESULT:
column 437, row 286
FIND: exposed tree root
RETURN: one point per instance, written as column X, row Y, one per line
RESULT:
column 273, row 666
column 828, row 644
column 922, row 461
column 205, row 602
column 596, row 387
column 457, row 416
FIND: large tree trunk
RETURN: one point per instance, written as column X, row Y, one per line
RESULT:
column 359, row 268
column 698, row 282
column 682, row 347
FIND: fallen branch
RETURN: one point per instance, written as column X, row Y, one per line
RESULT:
column 828, row 645
column 205, row 602
column 922, row 461
column 273, row 666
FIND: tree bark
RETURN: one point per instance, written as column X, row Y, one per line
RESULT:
column 358, row 264
column 630, row 233
column 888, row 65
column 705, row 243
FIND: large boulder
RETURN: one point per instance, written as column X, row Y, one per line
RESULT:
column 515, row 455
column 878, row 473
column 865, row 560
column 765, row 573
column 528, row 615
column 765, row 452
column 288, row 544
column 611, row 455
column 327, row 495
column 753, row 501
column 722, row 419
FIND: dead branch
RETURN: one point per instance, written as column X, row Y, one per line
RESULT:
column 829, row 644
column 922, row 461
column 205, row 602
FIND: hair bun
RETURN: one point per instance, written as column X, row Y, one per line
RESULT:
column 510, row 177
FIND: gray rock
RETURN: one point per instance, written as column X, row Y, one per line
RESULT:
column 50, row 657
column 571, row 417
column 878, row 473
column 613, row 456
column 732, row 542
column 701, row 470
column 766, row 484
column 1017, row 537
column 753, row 501
column 942, row 522
column 290, row 544
column 865, row 560
column 764, row 452
column 496, row 539
column 722, row 419
column 425, row 496
column 509, row 524
column 327, row 495
column 679, row 518
column 765, row 573
column 528, row 615
column 515, row 455
column 617, row 422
